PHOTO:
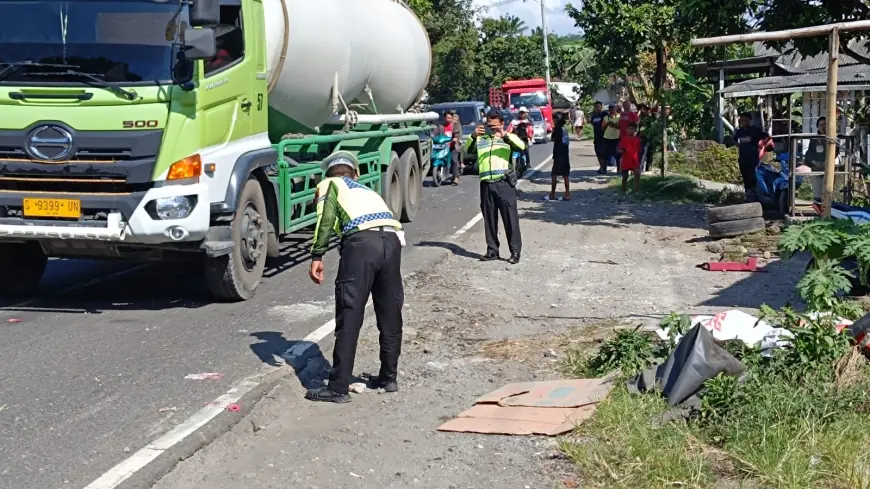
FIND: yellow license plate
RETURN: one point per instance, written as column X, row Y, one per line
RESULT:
column 68, row 208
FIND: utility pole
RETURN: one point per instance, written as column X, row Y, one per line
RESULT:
column 833, row 32
column 543, row 31
column 546, row 46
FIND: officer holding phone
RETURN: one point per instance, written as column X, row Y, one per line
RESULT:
column 498, row 181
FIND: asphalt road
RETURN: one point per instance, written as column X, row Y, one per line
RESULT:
column 93, row 369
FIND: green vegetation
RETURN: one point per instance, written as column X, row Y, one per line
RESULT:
column 716, row 163
column 678, row 188
column 794, row 420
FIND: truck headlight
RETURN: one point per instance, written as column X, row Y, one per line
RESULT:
column 170, row 208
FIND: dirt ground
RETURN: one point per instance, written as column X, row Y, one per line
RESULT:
column 589, row 264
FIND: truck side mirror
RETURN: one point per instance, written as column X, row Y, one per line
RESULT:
column 204, row 13
column 199, row 43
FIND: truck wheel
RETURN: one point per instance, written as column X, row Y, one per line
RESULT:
column 235, row 276
column 22, row 265
column 391, row 189
column 411, row 184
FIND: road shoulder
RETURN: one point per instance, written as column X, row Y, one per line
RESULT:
column 589, row 265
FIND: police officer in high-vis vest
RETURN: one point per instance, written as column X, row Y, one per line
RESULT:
column 371, row 259
column 498, row 192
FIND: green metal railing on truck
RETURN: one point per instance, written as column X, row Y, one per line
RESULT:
column 298, row 180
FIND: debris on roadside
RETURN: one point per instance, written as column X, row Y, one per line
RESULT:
column 738, row 325
column 751, row 265
column 234, row 408
column 167, row 409
column 357, row 388
column 533, row 408
column 204, row 376
column 13, row 320
column 696, row 359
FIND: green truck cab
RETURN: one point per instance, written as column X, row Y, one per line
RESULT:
column 143, row 130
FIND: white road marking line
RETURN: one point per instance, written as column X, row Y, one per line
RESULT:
column 78, row 286
column 124, row 470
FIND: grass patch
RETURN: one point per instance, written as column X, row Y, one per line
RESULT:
column 679, row 189
column 798, row 420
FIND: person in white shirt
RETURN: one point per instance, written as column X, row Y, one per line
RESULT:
column 579, row 122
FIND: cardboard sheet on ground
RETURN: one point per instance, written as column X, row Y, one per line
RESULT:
column 532, row 408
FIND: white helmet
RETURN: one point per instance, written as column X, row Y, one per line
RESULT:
column 523, row 110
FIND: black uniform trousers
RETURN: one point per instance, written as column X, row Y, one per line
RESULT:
column 500, row 198
column 371, row 263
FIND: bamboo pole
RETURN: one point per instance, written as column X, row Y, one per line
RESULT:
column 818, row 30
column 832, row 125
column 833, row 31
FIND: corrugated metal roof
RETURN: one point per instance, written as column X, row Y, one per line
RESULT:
column 852, row 77
column 793, row 61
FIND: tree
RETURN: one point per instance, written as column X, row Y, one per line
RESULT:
column 737, row 16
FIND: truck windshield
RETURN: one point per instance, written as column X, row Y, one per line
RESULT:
column 529, row 98
column 117, row 41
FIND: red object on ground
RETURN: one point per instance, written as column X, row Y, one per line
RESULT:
column 234, row 408
column 751, row 265
column 13, row 320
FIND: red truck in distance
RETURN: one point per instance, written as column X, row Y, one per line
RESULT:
column 514, row 94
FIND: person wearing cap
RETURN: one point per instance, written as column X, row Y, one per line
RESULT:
column 524, row 129
column 371, row 258
column 498, row 193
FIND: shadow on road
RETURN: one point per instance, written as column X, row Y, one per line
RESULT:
column 604, row 206
column 304, row 357
column 152, row 287
column 451, row 247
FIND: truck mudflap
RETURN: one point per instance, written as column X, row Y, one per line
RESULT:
column 143, row 227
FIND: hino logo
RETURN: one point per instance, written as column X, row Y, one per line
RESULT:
column 49, row 143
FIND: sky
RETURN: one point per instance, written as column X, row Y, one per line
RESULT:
column 530, row 11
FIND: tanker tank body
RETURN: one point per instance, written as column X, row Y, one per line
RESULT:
column 314, row 45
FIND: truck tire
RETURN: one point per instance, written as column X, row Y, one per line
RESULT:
column 235, row 276
column 734, row 212
column 411, row 184
column 730, row 229
column 22, row 266
column 391, row 188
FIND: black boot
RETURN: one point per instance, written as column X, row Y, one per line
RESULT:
column 325, row 394
column 514, row 259
column 489, row 257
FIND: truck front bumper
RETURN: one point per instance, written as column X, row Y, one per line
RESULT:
column 121, row 218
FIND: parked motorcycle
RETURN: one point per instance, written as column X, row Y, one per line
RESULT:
column 440, row 158
column 771, row 189
column 521, row 163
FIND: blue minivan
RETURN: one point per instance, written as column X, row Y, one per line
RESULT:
column 471, row 115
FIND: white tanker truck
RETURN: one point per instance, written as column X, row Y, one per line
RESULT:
column 146, row 128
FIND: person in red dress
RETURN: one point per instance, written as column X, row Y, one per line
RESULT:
column 629, row 149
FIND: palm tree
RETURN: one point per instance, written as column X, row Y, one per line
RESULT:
column 515, row 25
